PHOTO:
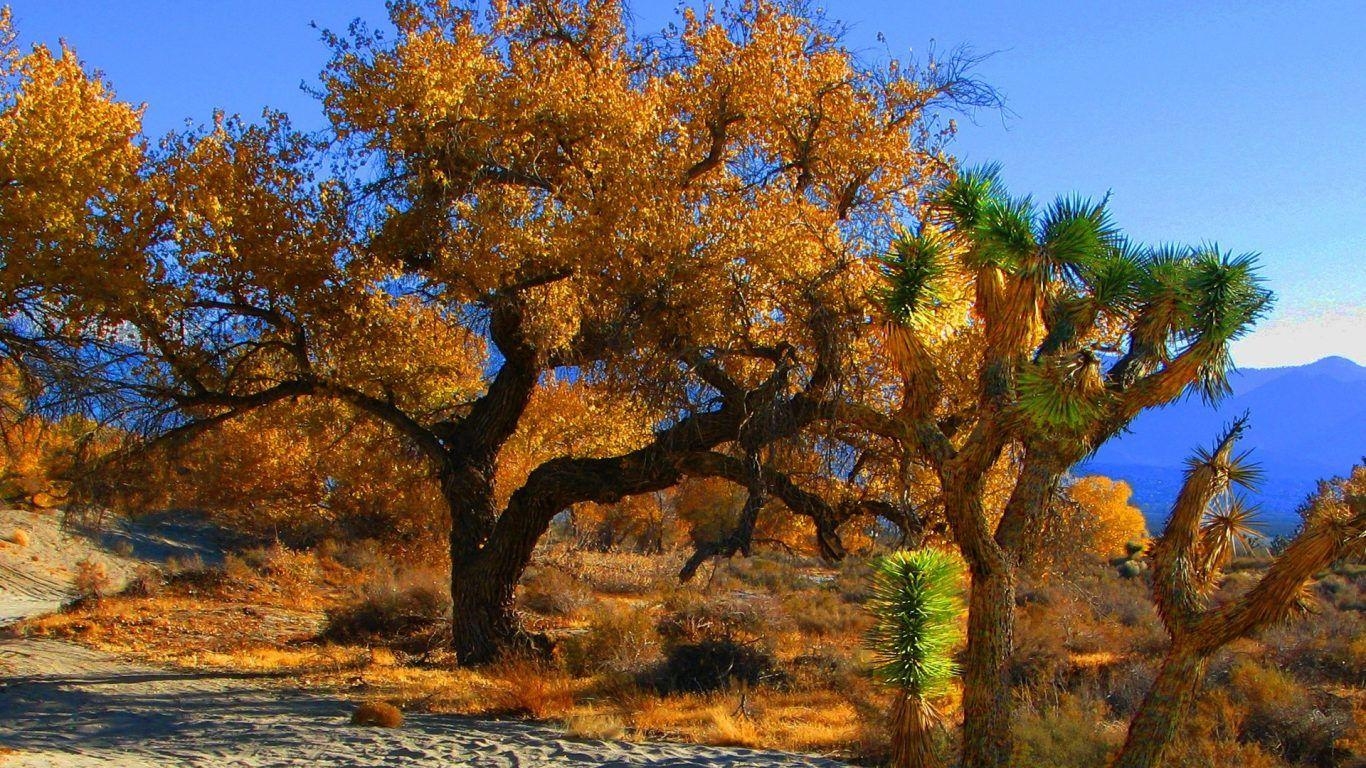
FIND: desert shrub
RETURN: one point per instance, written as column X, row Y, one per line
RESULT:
column 1040, row 656
column 1070, row 733
column 377, row 713
column 390, row 609
column 364, row 555
column 619, row 639
column 1285, row 718
column 769, row 571
column 1344, row 589
column 828, row 667
column 263, row 560
column 691, row 617
column 729, row 728
column 1209, row 737
column 823, row 613
column 550, row 591
column 1123, row 601
column 1034, row 593
column 146, row 582
column 852, row 579
column 19, row 537
column 713, row 665
column 1130, row 569
column 531, row 687
column 191, row 575
column 1128, row 685
column 621, row 573
column 178, row 563
column 1329, row 646
column 92, row 580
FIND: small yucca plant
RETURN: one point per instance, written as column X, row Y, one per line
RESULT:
column 917, row 603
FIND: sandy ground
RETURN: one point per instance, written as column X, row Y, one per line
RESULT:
column 67, row 706
column 36, row 578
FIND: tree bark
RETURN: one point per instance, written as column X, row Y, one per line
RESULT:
column 986, row 694
column 913, row 725
column 991, row 612
column 1170, row 698
column 484, row 623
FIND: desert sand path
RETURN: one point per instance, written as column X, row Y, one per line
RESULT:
column 67, row 706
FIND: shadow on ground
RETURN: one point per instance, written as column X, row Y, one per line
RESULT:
column 68, row 706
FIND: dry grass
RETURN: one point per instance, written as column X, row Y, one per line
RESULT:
column 594, row 726
column 732, row 728
column 1087, row 650
column 534, row 688
column 377, row 713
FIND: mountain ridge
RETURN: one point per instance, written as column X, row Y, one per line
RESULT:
column 1307, row 423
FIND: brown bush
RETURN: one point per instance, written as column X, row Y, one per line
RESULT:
column 594, row 726
column 1285, row 718
column 191, row 575
column 691, row 617
column 92, row 580
column 146, row 582
column 550, row 591
column 831, row 667
column 771, row 571
column 391, row 610
column 619, row 573
column 363, row 555
column 824, row 613
column 1328, row 646
column 532, row 688
column 854, row 579
column 377, row 713
column 1068, row 733
column 713, row 665
column 1040, row 656
column 619, row 640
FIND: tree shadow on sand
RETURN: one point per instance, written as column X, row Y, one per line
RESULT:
column 150, row 717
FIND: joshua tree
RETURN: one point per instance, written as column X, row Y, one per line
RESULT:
column 1188, row 562
column 1068, row 332
column 917, row 601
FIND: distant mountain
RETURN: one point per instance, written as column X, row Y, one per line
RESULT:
column 1308, row 423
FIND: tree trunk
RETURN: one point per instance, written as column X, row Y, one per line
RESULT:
column 484, row 572
column 484, row 625
column 986, row 695
column 1167, row 702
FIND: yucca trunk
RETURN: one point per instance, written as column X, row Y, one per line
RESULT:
column 1171, row 697
column 913, row 733
column 986, row 695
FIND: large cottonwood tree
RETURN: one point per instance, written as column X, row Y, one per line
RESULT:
column 686, row 223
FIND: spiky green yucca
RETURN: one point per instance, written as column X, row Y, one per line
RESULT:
column 918, row 604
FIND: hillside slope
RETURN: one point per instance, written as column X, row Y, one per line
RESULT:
column 1307, row 422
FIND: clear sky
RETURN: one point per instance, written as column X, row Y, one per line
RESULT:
column 1242, row 123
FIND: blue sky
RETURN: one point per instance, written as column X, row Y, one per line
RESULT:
column 1242, row 123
